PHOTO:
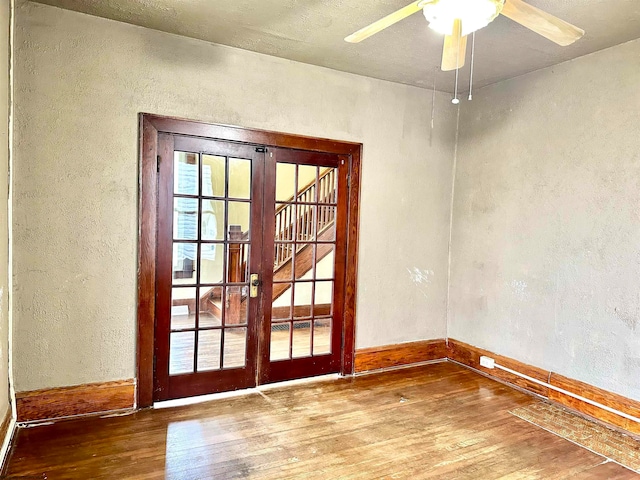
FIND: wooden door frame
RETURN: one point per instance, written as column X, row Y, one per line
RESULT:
column 149, row 127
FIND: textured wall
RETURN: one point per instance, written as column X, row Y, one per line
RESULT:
column 546, row 240
column 4, row 232
column 80, row 83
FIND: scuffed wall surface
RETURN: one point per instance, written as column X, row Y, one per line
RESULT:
column 4, row 231
column 546, row 239
column 80, row 83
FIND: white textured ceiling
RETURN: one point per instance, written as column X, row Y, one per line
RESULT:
column 312, row 31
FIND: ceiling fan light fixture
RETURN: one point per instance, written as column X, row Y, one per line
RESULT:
column 474, row 14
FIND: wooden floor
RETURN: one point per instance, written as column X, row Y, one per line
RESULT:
column 438, row 421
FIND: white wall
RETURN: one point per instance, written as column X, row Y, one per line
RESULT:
column 80, row 83
column 546, row 239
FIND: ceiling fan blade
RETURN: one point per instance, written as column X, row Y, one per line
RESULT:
column 455, row 48
column 542, row 23
column 385, row 22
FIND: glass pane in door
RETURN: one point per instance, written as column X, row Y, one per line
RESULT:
column 209, row 350
column 211, row 222
column 185, row 173
column 301, row 339
column 304, row 261
column 183, row 308
column 181, row 349
column 280, row 340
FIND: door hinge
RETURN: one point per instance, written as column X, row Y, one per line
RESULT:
column 261, row 149
column 348, row 181
column 158, row 163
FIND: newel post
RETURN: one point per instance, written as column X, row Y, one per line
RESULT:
column 234, row 293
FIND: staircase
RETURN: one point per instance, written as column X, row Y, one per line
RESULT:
column 287, row 221
column 288, row 225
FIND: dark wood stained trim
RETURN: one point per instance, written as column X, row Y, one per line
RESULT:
column 147, row 231
column 150, row 127
column 611, row 400
column 266, row 304
column 401, row 354
column 351, row 276
column 244, row 135
column 306, row 157
column 342, row 264
column 298, row 368
column 470, row 356
column 163, row 267
column 77, row 400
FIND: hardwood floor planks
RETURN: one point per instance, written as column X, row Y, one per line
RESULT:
column 438, row 421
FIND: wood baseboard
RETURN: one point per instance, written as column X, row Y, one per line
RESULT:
column 470, row 356
column 388, row 356
column 603, row 397
column 120, row 395
column 77, row 400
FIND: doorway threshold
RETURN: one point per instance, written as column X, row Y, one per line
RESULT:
column 181, row 402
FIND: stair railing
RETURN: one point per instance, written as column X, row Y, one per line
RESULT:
column 286, row 219
column 303, row 220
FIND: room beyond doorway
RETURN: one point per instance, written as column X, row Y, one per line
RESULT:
column 244, row 278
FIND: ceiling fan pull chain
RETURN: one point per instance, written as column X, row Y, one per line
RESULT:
column 473, row 51
column 455, row 100
column 458, row 33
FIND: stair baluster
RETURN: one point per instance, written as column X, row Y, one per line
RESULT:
column 304, row 219
column 236, row 261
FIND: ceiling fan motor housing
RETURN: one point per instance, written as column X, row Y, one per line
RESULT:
column 473, row 14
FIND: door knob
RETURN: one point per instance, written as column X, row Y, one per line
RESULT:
column 255, row 283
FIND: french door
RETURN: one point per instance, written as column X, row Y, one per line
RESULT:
column 304, row 265
column 250, row 268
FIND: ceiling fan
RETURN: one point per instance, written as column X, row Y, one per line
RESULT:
column 458, row 18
